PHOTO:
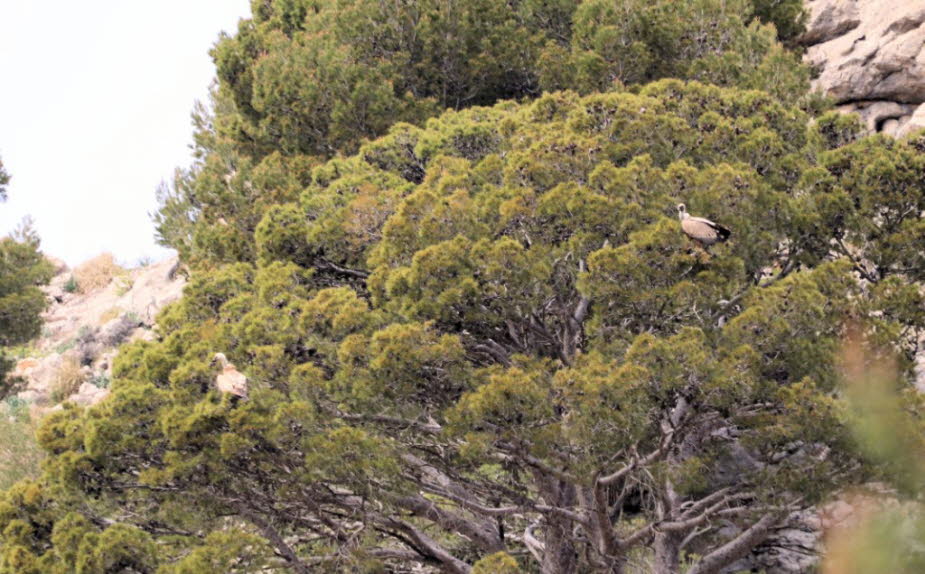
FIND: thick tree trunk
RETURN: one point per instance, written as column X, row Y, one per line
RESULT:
column 667, row 548
column 559, row 556
column 667, row 545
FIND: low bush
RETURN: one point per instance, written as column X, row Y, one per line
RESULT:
column 67, row 380
column 96, row 273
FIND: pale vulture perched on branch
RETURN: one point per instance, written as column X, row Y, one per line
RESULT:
column 702, row 230
column 230, row 381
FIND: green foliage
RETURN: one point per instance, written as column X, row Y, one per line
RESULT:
column 495, row 319
column 499, row 563
column 101, row 381
column 304, row 81
column 489, row 321
column 70, row 286
column 887, row 424
column 23, row 269
column 229, row 551
column 4, row 181
column 636, row 41
column 20, row 455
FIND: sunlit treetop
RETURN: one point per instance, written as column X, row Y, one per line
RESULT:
column 303, row 81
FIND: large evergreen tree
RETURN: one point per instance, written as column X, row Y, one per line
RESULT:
column 488, row 338
column 478, row 341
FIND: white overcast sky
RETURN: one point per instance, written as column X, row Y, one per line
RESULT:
column 95, row 102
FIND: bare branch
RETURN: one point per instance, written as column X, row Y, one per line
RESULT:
column 430, row 427
column 275, row 539
column 331, row 266
column 484, row 535
column 430, row 547
column 536, row 548
column 690, row 537
column 637, row 462
column 736, row 548
column 723, row 493
column 475, row 507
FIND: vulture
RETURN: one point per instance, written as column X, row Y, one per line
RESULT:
column 230, row 380
column 702, row 230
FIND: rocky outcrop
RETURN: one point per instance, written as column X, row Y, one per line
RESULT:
column 795, row 546
column 83, row 331
column 870, row 56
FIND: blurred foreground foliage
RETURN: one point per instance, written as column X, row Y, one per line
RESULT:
column 888, row 527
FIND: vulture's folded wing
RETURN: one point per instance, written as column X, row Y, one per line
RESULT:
column 704, row 230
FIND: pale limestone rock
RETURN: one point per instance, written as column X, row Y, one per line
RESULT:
column 122, row 310
column 870, row 55
column 915, row 122
column 876, row 114
column 830, row 20
column 89, row 394
column 25, row 367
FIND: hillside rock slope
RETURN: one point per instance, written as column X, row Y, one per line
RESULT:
column 72, row 360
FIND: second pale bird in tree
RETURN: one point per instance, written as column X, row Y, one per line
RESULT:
column 230, row 381
column 702, row 230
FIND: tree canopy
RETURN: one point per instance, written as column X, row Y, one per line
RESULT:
column 303, row 81
column 475, row 338
column 484, row 345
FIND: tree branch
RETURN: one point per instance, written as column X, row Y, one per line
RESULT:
column 431, row 547
column 536, row 548
column 736, row 548
column 430, row 427
column 326, row 265
column 485, row 536
column 637, row 462
column 275, row 539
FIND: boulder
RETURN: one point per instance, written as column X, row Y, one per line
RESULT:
column 881, row 115
column 870, row 59
column 25, row 367
column 89, row 394
column 915, row 123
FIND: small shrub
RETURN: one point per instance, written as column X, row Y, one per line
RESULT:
column 67, row 380
column 71, row 285
column 88, row 347
column 110, row 314
column 120, row 330
column 102, row 381
column 124, row 284
column 23, row 351
column 97, row 272
column 65, row 346
column 17, row 407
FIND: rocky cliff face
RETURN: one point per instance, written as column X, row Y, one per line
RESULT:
column 72, row 360
column 870, row 55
